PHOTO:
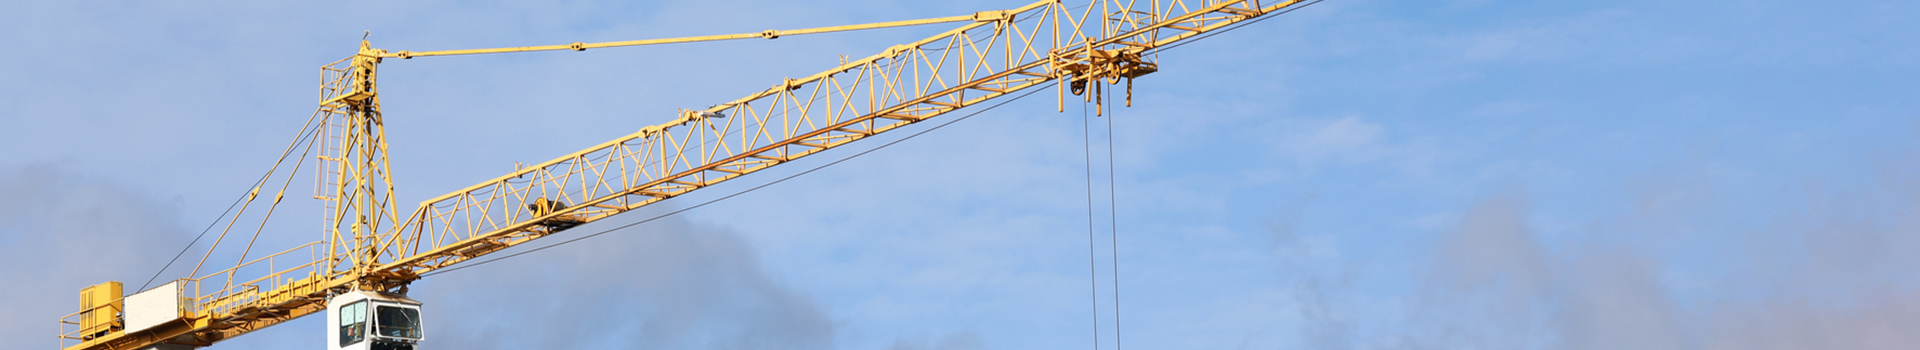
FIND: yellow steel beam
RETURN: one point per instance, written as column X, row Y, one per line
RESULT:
column 767, row 34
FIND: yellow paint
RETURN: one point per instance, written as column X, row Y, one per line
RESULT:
column 100, row 306
column 371, row 246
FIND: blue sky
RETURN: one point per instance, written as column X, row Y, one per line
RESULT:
column 1358, row 174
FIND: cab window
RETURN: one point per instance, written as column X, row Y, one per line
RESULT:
column 353, row 323
column 397, row 322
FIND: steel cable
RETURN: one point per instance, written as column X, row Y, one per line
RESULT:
column 1113, row 214
column 1093, row 279
column 236, row 201
column 1230, row 28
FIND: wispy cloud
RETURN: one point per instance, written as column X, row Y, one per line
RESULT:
column 962, row 340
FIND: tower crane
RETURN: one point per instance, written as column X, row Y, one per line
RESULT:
column 372, row 250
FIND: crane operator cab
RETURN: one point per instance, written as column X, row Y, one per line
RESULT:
column 362, row 320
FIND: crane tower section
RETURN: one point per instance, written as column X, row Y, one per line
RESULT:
column 355, row 182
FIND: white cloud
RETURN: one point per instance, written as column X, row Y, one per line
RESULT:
column 1344, row 140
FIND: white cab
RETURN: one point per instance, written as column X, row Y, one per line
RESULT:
column 363, row 320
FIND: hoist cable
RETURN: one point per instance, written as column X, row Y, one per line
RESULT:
column 736, row 194
column 1093, row 278
column 1113, row 214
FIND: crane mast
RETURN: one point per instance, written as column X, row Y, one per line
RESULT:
column 370, row 248
column 354, row 177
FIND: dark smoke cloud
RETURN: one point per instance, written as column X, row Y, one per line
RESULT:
column 1501, row 287
column 1833, row 270
column 668, row 284
column 61, row 231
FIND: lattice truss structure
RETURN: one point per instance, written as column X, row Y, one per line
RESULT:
column 369, row 245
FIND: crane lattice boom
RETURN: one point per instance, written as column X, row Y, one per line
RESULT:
column 371, row 246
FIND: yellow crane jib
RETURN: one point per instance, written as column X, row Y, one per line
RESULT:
column 766, row 34
column 370, row 250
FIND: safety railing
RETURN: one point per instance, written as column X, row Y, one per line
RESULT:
column 230, row 297
column 72, row 326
